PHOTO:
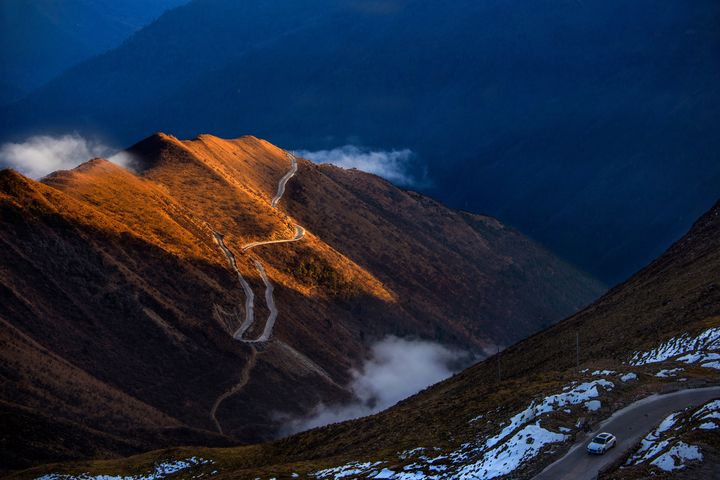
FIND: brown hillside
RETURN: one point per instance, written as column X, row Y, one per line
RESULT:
column 114, row 285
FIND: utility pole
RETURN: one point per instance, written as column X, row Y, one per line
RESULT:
column 577, row 350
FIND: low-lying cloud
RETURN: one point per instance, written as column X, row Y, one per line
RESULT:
column 396, row 369
column 42, row 154
column 393, row 165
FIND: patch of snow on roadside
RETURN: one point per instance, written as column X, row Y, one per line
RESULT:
column 709, row 414
column 593, row 405
column 346, row 471
column 705, row 342
column 665, row 373
column 651, row 444
column 698, row 357
column 385, row 473
column 579, row 394
column 629, row 377
column 675, row 458
column 663, row 449
column 502, row 460
column 161, row 470
column 519, row 441
column 603, row 373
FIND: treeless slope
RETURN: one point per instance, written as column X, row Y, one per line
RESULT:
column 470, row 271
column 119, row 275
column 676, row 294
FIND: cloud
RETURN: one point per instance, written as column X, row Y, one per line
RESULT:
column 42, row 154
column 396, row 369
column 394, row 165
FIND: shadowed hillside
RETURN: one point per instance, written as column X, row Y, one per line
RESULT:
column 514, row 413
column 127, row 319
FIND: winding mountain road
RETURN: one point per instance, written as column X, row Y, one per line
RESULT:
column 249, row 295
column 249, row 320
column 629, row 425
column 270, row 301
column 283, row 181
column 299, row 234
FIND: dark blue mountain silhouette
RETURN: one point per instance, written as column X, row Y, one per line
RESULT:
column 591, row 125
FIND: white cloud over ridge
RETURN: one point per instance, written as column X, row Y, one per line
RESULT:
column 392, row 165
column 396, row 369
column 40, row 155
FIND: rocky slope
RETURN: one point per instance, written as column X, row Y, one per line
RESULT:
column 514, row 413
column 120, row 304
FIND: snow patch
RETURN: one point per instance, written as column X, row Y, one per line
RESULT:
column 574, row 396
column 675, row 458
column 593, row 405
column 502, row 460
column 346, row 471
column 161, row 470
column 706, row 341
column 629, row 377
column 665, row 373
column 652, row 444
column 663, row 449
column 519, row 441
column 385, row 473
column 709, row 414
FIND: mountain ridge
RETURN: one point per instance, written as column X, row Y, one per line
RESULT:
column 123, row 275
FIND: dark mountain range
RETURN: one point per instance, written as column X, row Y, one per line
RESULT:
column 591, row 126
column 124, row 297
column 657, row 332
column 42, row 38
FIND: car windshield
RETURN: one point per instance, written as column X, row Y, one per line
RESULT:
column 600, row 440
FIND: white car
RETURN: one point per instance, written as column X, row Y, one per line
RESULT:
column 601, row 443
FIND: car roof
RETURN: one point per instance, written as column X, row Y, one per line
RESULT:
column 604, row 435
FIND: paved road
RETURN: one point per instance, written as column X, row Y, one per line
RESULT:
column 299, row 233
column 629, row 425
column 270, row 301
column 249, row 295
column 283, row 181
column 250, row 301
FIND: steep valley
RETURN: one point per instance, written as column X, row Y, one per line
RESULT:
column 649, row 345
column 126, row 323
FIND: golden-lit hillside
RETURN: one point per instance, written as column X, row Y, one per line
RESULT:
column 120, row 295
